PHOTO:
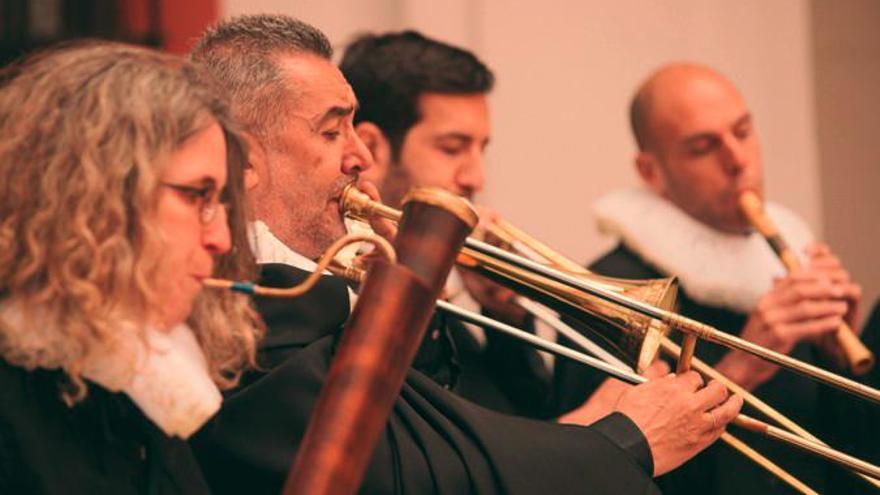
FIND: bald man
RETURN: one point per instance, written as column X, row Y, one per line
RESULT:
column 697, row 151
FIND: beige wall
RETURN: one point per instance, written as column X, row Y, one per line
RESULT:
column 847, row 44
column 566, row 76
column 566, row 70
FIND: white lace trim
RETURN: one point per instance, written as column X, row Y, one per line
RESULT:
column 714, row 268
column 167, row 378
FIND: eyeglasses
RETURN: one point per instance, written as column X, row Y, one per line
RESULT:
column 208, row 201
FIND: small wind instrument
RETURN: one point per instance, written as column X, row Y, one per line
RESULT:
column 859, row 359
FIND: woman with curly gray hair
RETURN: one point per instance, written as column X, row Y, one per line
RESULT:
column 120, row 190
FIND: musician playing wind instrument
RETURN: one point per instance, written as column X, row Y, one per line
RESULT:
column 113, row 164
column 424, row 115
column 698, row 150
column 298, row 111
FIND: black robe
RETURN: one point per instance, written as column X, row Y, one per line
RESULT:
column 720, row 469
column 435, row 442
column 505, row 375
column 101, row 446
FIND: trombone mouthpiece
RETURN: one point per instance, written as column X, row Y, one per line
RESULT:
column 354, row 202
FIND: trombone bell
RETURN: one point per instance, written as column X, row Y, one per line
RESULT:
column 633, row 337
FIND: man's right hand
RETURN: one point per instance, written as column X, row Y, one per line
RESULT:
column 803, row 306
column 678, row 416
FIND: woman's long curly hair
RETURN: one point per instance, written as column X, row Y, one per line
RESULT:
column 87, row 130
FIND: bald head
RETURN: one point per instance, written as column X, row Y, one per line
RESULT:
column 696, row 143
column 666, row 94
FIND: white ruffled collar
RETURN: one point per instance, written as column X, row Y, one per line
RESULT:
column 167, row 379
column 714, row 268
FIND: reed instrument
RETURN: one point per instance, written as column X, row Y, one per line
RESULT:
column 858, row 358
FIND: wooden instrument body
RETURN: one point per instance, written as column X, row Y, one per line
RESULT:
column 377, row 347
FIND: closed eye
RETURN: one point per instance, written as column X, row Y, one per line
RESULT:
column 743, row 131
column 702, row 146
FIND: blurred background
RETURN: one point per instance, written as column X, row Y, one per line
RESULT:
column 810, row 70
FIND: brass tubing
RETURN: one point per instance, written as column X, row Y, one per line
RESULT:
column 359, row 203
column 547, row 315
column 324, row 263
column 673, row 350
column 532, row 248
column 542, row 344
column 684, row 324
column 688, row 347
column 554, row 258
column 767, row 464
column 809, row 446
column 619, row 371
column 630, row 377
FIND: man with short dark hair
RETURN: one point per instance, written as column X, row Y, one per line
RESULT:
column 697, row 152
column 434, row 442
column 423, row 112
column 424, row 116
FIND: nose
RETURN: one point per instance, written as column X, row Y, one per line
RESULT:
column 471, row 174
column 357, row 157
column 734, row 155
column 216, row 238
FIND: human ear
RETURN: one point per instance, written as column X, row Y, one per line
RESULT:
column 648, row 168
column 375, row 141
column 256, row 163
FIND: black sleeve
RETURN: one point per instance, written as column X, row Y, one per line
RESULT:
column 434, row 442
column 6, row 465
column 622, row 431
column 530, row 456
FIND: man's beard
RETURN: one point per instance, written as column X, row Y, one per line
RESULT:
column 318, row 226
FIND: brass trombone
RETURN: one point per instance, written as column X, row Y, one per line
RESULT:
column 530, row 246
column 579, row 292
column 628, row 376
column 634, row 337
column 603, row 307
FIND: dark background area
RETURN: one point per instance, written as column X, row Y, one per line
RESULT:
column 26, row 25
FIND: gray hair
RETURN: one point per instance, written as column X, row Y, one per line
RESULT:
column 242, row 54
